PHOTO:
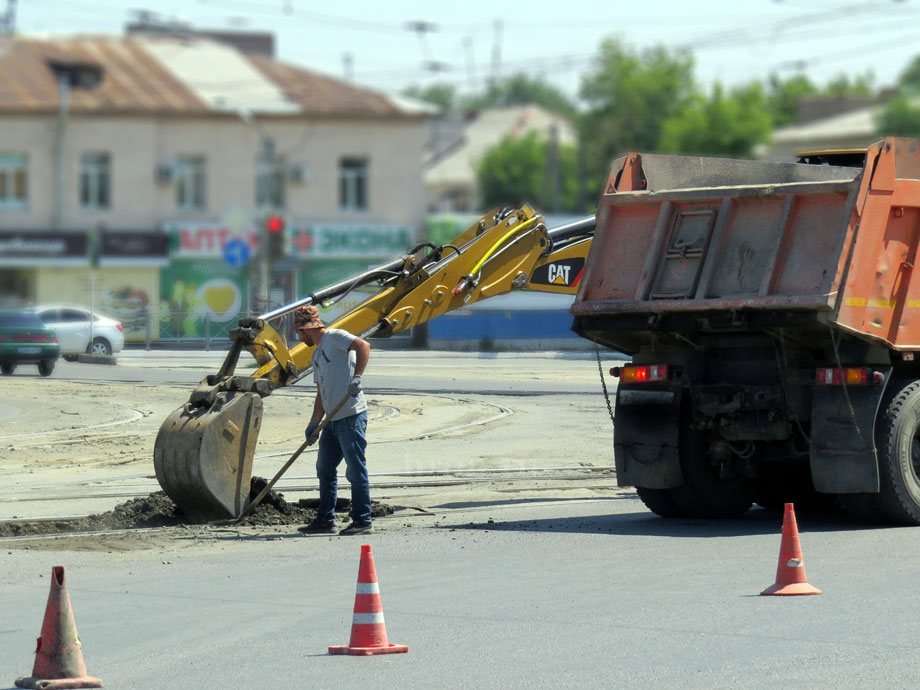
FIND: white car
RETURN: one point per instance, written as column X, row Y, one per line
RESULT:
column 72, row 325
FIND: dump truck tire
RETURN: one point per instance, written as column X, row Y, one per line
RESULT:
column 899, row 454
column 704, row 493
column 659, row 501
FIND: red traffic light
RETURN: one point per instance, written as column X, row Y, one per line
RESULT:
column 274, row 224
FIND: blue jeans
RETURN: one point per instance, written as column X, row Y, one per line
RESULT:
column 344, row 438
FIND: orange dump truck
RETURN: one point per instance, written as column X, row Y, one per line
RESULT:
column 772, row 314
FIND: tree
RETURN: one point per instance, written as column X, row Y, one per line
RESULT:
column 516, row 170
column 910, row 77
column 629, row 96
column 783, row 97
column 520, row 89
column 845, row 85
column 442, row 95
column 900, row 116
column 723, row 124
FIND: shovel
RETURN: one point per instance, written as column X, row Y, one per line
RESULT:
column 303, row 446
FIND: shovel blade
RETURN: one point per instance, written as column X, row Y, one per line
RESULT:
column 203, row 455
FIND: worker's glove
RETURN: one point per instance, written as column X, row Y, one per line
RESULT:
column 311, row 430
column 354, row 386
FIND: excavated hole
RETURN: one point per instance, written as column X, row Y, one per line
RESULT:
column 158, row 510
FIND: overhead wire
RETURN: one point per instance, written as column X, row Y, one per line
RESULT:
column 872, row 17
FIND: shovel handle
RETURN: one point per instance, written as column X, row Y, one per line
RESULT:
column 303, row 446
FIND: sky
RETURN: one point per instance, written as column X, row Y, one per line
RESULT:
column 390, row 45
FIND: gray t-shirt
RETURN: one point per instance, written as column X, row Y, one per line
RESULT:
column 333, row 367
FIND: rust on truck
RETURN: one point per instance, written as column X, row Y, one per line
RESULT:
column 780, row 301
column 740, row 235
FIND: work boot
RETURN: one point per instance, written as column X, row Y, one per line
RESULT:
column 357, row 528
column 318, row 527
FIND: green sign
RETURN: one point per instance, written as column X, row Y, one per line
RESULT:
column 199, row 292
column 350, row 241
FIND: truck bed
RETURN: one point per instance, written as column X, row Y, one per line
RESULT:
column 704, row 243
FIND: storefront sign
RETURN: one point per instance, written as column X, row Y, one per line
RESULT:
column 120, row 248
column 350, row 241
column 201, row 239
column 47, row 248
column 200, row 298
column 28, row 248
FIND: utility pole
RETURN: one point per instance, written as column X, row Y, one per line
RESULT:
column 265, row 167
column 470, row 64
column 8, row 23
column 496, row 55
column 550, row 189
column 348, row 65
column 69, row 76
column 57, row 147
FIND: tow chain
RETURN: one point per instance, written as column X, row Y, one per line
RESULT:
column 600, row 370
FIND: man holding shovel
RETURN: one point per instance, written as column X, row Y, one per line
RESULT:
column 339, row 361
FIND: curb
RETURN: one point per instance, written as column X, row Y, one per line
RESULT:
column 96, row 359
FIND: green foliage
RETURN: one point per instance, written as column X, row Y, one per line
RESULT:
column 442, row 95
column 723, row 124
column 900, row 117
column 516, row 170
column 845, row 85
column 910, row 77
column 629, row 96
column 520, row 89
column 783, row 96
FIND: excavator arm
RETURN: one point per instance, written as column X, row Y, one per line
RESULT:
column 204, row 450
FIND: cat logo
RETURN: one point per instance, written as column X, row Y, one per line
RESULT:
column 558, row 274
column 561, row 274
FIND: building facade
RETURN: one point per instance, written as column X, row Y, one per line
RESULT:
column 149, row 168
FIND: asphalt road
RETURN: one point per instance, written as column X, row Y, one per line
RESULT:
column 584, row 593
column 497, row 586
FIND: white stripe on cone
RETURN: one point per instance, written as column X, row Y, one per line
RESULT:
column 367, row 618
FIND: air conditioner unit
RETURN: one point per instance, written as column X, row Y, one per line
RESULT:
column 298, row 174
column 165, row 173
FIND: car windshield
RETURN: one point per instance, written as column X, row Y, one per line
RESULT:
column 20, row 319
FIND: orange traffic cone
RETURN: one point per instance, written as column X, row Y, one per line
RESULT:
column 790, row 572
column 368, row 631
column 58, row 659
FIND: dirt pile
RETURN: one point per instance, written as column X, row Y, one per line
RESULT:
column 158, row 510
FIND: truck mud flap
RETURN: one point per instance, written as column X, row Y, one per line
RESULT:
column 646, row 437
column 844, row 459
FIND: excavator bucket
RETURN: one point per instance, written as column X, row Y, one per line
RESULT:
column 203, row 455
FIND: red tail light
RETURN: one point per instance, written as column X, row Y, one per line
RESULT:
column 119, row 326
column 851, row 376
column 643, row 373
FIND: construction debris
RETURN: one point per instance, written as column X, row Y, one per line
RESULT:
column 158, row 510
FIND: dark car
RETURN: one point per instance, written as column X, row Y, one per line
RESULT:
column 24, row 339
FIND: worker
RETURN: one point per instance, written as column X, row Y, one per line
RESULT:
column 339, row 360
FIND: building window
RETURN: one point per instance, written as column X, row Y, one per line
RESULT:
column 353, row 184
column 190, row 182
column 270, row 184
column 95, row 180
column 12, row 180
